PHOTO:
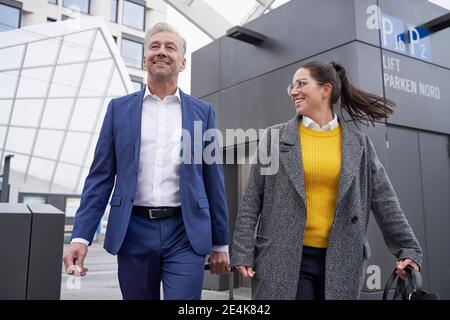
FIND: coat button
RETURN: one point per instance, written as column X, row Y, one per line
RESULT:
column 354, row 219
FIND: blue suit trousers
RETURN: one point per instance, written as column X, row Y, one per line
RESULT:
column 156, row 251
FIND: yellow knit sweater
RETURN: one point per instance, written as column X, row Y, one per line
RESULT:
column 321, row 156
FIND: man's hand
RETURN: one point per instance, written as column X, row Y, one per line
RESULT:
column 74, row 259
column 401, row 265
column 219, row 262
column 247, row 272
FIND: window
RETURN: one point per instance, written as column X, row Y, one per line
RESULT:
column 53, row 1
column 136, row 85
column 114, row 10
column 72, row 205
column 9, row 17
column 132, row 51
column 133, row 14
column 83, row 5
column 137, row 82
column 34, row 199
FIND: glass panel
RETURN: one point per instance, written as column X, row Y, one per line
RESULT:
column 19, row 163
column 76, row 47
column 72, row 205
column 27, row 112
column 234, row 11
column 100, row 49
column 136, row 85
column 82, row 5
column 34, row 83
column 96, row 78
column 20, row 139
column 75, row 147
column 5, row 109
column 11, row 58
column 9, row 17
column 132, row 53
column 42, row 53
column 64, row 85
column 56, row 113
column 67, row 175
column 48, row 143
column 278, row 3
column 41, row 168
column 8, row 82
column 116, row 87
column 2, row 136
column 85, row 114
column 34, row 199
column 133, row 15
column 114, row 10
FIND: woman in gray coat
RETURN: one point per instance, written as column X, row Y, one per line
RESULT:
column 301, row 231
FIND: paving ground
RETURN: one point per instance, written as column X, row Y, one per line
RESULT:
column 101, row 282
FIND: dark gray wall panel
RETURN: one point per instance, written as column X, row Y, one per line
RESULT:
column 436, row 191
column 404, row 171
column 416, row 110
column 368, row 75
column 363, row 32
column 205, row 72
column 263, row 101
column 296, row 36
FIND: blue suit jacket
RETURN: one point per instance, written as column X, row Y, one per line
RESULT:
column 116, row 158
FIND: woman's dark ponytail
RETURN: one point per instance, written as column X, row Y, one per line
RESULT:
column 360, row 105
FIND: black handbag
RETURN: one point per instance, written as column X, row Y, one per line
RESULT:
column 410, row 289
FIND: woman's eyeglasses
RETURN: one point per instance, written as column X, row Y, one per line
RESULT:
column 299, row 84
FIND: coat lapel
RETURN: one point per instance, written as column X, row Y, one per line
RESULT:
column 290, row 155
column 186, row 117
column 351, row 151
column 136, row 118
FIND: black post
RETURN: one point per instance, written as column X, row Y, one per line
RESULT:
column 5, row 181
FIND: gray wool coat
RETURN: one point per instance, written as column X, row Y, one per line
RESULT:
column 271, row 220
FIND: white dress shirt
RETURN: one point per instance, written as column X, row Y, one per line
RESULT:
column 158, row 180
column 310, row 123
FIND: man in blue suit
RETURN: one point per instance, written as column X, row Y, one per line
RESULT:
column 166, row 213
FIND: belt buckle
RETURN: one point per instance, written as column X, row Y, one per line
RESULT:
column 151, row 214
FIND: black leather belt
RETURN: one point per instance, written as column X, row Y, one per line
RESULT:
column 156, row 212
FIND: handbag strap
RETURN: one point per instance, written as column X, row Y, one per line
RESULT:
column 403, row 291
column 399, row 289
column 415, row 285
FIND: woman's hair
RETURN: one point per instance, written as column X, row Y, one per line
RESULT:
column 360, row 105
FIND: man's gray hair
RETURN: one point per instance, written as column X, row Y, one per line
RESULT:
column 163, row 27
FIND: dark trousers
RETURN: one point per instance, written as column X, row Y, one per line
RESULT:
column 311, row 283
column 156, row 251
